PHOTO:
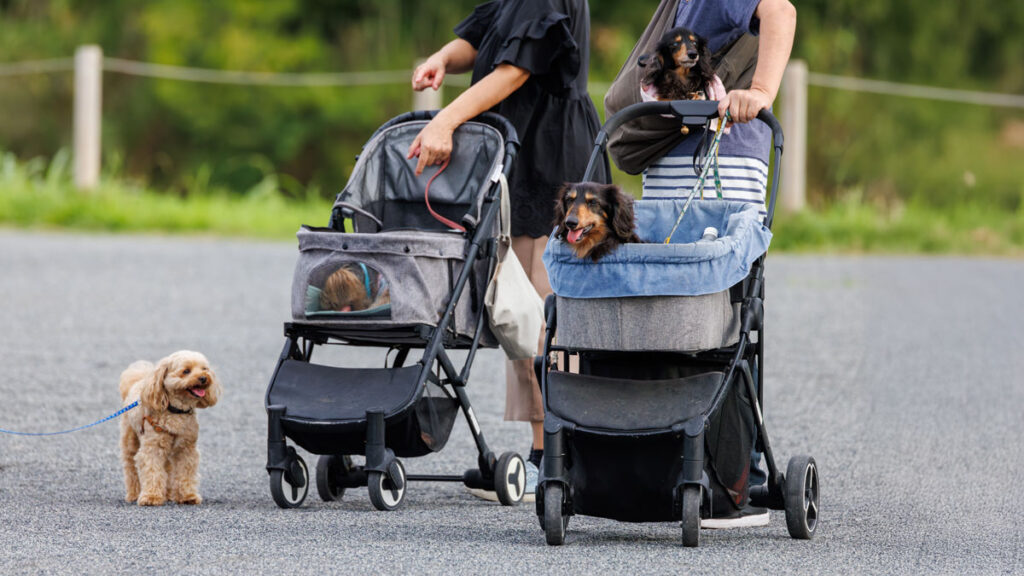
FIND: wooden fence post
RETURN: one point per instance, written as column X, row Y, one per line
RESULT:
column 428, row 98
column 794, row 127
column 88, row 113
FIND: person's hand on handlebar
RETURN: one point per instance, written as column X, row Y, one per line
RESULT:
column 744, row 105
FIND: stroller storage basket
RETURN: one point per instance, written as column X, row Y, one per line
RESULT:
column 654, row 296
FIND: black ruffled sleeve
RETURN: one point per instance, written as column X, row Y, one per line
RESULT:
column 475, row 26
column 544, row 46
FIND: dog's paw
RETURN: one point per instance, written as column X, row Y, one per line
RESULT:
column 129, row 498
column 151, row 500
column 190, row 499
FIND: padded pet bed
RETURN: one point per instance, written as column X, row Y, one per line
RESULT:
column 655, row 296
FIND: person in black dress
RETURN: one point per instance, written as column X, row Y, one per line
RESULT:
column 529, row 60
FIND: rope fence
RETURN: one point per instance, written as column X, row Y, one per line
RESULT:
column 89, row 64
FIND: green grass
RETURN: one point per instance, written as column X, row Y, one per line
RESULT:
column 35, row 195
column 38, row 195
column 851, row 226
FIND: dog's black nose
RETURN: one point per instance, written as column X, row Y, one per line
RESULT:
column 572, row 222
column 202, row 379
column 692, row 54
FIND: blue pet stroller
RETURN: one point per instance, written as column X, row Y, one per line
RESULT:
column 392, row 271
column 659, row 420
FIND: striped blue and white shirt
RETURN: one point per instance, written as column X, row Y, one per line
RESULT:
column 743, row 179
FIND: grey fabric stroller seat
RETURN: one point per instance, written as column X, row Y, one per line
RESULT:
column 392, row 271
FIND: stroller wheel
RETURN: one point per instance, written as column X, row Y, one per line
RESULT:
column 691, row 497
column 555, row 521
column 329, row 470
column 802, row 497
column 510, row 478
column 289, row 487
column 387, row 490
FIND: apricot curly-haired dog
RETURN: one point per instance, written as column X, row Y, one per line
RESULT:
column 594, row 218
column 158, row 440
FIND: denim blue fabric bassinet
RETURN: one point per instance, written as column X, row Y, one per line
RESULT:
column 656, row 296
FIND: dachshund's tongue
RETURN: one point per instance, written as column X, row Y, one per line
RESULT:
column 574, row 235
column 200, row 392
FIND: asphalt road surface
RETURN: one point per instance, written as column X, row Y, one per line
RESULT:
column 902, row 376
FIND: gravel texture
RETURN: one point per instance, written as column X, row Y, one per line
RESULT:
column 901, row 376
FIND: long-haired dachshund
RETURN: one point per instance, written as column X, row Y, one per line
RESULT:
column 594, row 218
column 680, row 66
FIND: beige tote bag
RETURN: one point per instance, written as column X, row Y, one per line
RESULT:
column 514, row 309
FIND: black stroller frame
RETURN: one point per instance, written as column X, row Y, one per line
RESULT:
column 795, row 491
column 371, row 434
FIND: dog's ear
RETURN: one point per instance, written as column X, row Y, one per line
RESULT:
column 707, row 71
column 622, row 211
column 153, row 394
column 559, row 220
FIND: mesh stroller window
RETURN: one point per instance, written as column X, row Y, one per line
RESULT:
column 349, row 289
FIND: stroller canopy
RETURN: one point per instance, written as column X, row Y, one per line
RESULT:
column 384, row 185
column 686, row 267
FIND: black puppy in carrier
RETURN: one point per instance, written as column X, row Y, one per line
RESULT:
column 403, row 271
column 658, row 422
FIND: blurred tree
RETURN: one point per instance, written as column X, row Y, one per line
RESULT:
column 186, row 134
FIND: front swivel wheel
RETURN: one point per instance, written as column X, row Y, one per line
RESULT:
column 290, row 486
column 387, row 489
column 555, row 520
column 691, row 497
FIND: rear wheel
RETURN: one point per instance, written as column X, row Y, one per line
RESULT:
column 691, row 497
column 387, row 489
column 510, row 478
column 555, row 521
column 329, row 472
column 802, row 497
column 289, row 487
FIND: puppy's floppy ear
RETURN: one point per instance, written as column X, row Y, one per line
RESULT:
column 707, row 71
column 622, row 211
column 153, row 394
column 559, row 222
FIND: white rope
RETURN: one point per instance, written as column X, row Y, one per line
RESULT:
column 188, row 74
column 915, row 91
column 37, row 67
column 255, row 78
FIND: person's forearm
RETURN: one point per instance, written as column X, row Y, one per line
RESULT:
column 484, row 95
column 458, row 56
column 778, row 25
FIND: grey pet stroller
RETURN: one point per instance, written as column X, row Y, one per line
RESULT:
column 391, row 272
column 659, row 420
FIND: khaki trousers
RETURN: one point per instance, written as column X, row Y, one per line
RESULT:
column 523, row 402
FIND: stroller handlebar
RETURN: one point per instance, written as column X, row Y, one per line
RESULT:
column 691, row 113
column 500, row 123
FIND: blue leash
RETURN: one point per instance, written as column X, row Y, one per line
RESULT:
column 111, row 417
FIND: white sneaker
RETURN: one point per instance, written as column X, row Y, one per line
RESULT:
column 748, row 517
column 530, row 491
